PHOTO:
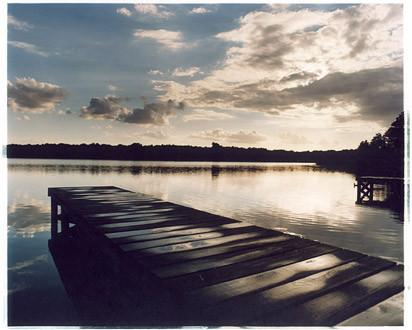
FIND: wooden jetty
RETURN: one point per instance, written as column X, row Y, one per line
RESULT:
column 368, row 185
column 174, row 266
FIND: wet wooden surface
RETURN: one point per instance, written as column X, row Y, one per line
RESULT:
column 219, row 271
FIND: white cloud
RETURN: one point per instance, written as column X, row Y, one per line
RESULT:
column 152, row 10
column 292, row 138
column 274, row 53
column 112, row 88
column 276, row 7
column 27, row 215
column 206, row 115
column 124, row 11
column 24, row 117
column 17, row 24
column 156, row 72
column 169, row 39
column 32, row 96
column 200, row 10
column 188, row 72
column 29, row 48
column 154, row 134
column 220, row 135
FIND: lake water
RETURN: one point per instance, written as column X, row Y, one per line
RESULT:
column 298, row 198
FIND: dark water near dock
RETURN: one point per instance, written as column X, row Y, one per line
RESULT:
column 297, row 198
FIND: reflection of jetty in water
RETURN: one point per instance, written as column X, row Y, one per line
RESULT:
column 99, row 291
column 380, row 191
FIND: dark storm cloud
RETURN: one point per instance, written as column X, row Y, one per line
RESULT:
column 109, row 107
column 30, row 95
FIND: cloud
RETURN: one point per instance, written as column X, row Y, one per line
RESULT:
column 292, row 138
column 124, row 11
column 241, row 137
column 28, row 263
column 109, row 107
column 153, row 10
column 276, row 7
column 32, row 96
column 169, row 39
column 158, row 135
column 112, row 88
column 206, row 115
column 29, row 48
column 189, row 72
column 156, row 72
column 299, row 76
column 346, row 63
column 200, row 10
column 152, row 113
column 377, row 94
column 14, row 23
column 28, row 216
column 24, row 117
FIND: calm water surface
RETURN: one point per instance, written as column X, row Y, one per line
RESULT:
column 297, row 198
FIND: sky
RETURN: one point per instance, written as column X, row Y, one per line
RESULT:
column 278, row 76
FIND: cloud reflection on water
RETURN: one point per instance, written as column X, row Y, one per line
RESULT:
column 27, row 217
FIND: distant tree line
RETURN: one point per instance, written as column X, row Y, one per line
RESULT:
column 137, row 151
column 383, row 155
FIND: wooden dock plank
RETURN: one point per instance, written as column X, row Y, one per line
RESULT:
column 201, row 244
column 220, row 271
column 156, row 230
column 155, row 222
column 210, row 295
column 203, row 228
column 181, row 256
column 244, row 263
column 386, row 313
column 290, row 294
column 343, row 303
column 169, row 241
column 221, row 260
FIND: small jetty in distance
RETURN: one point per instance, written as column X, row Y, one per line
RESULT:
column 379, row 190
column 155, row 263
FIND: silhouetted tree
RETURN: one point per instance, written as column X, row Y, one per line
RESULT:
column 384, row 155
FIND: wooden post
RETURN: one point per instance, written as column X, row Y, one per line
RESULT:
column 358, row 191
column 371, row 192
column 64, row 221
column 54, row 217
